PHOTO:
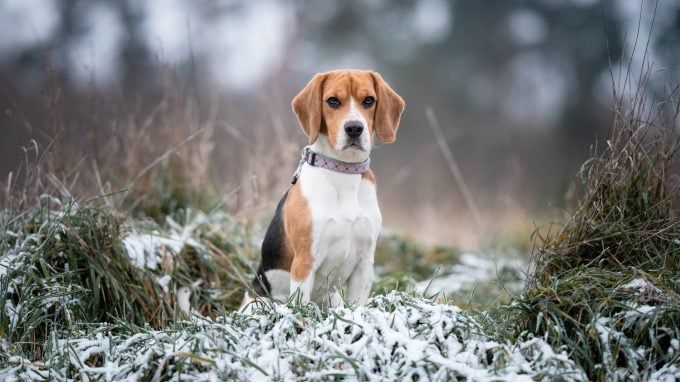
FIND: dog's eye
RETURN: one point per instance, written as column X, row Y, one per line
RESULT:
column 368, row 102
column 333, row 102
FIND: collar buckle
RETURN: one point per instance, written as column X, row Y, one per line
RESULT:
column 310, row 156
column 303, row 158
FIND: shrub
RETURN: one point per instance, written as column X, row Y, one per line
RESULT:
column 63, row 267
column 606, row 285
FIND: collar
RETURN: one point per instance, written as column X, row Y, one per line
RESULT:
column 318, row 160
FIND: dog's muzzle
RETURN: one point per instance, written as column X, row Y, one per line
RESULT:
column 353, row 129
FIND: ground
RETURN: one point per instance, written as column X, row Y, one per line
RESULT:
column 448, row 325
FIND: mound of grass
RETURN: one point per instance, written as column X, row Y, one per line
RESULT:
column 394, row 337
column 606, row 285
column 67, row 266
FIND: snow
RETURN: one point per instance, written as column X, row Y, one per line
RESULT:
column 163, row 281
column 146, row 250
column 641, row 285
column 667, row 373
column 6, row 262
column 394, row 337
column 471, row 270
column 183, row 299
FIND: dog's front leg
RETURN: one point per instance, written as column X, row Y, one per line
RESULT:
column 302, row 290
column 302, row 280
column 360, row 281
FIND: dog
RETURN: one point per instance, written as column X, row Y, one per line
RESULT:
column 321, row 241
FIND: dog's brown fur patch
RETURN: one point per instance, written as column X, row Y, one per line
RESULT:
column 368, row 175
column 297, row 222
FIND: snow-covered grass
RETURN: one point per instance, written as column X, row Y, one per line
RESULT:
column 613, row 331
column 137, row 300
column 92, row 293
column 606, row 284
column 394, row 337
column 65, row 266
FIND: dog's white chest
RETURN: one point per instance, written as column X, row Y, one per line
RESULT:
column 346, row 222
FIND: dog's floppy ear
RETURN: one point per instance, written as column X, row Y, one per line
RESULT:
column 388, row 111
column 307, row 107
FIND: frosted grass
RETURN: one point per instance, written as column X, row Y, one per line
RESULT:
column 394, row 337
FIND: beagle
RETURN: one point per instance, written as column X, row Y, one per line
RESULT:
column 322, row 239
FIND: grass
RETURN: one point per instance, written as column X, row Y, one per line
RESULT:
column 396, row 252
column 606, row 284
column 65, row 266
column 394, row 337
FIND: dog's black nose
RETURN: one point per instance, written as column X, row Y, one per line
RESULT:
column 354, row 129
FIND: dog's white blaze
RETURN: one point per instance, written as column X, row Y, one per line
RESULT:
column 341, row 138
column 346, row 222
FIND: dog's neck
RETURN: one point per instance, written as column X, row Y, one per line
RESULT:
column 321, row 155
column 323, row 146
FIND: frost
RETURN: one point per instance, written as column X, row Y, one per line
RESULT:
column 163, row 281
column 471, row 270
column 640, row 285
column 393, row 337
column 667, row 373
column 147, row 250
column 6, row 262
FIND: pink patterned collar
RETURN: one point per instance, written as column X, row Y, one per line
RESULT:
column 318, row 160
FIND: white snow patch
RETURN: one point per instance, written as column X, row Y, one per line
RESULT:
column 471, row 270
column 640, row 284
column 675, row 344
column 146, row 250
column 163, row 281
column 668, row 373
column 6, row 262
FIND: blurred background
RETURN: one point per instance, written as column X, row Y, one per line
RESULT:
column 520, row 91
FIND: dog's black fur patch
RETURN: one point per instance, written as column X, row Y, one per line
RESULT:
column 272, row 250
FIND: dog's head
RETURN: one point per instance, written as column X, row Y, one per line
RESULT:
column 347, row 106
